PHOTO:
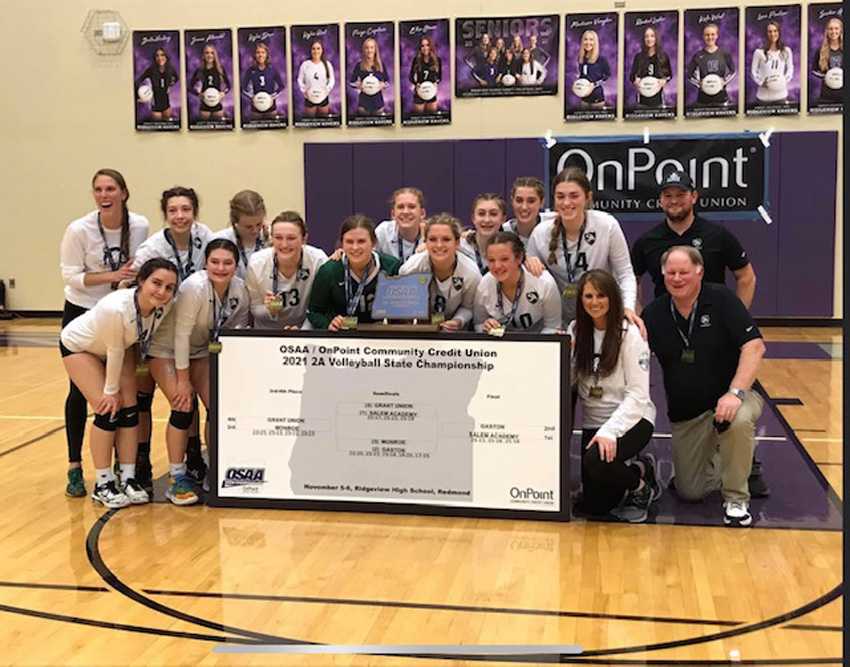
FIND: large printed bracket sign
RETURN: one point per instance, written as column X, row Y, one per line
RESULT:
column 420, row 423
column 729, row 171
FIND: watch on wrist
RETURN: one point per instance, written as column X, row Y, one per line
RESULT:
column 740, row 394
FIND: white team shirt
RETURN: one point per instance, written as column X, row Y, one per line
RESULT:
column 531, row 73
column 512, row 224
column 158, row 246
column 314, row 75
column 387, row 234
column 108, row 329
column 82, row 251
column 295, row 289
column 470, row 249
column 602, row 246
column 248, row 250
column 625, row 396
column 539, row 308
column 772, row 63
column 455, row 296
column 185, row 334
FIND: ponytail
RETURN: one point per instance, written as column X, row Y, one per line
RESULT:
column 557, row 230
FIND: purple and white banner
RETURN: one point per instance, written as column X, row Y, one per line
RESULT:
column 773, row 54
column 156, row 82
column 711, row 74
column 209, row 76
column 425, row 79
column 652, row 46
column 826, row 58
column 506, row 56
column 590, row 66
column 316, row 100
column 262, row 78
column 369, row 68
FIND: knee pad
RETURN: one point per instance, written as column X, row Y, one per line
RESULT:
column 128, row 417
column 104, row 423
column 144, row 402
column 180, row 420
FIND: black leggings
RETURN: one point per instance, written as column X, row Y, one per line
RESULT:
column 605, row 483
column 76, row 407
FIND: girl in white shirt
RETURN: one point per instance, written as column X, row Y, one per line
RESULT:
column 527, row 196
column 401, row 235
column 94, row 350
column 280, row 278
column 488, row 217
column 511, row 298
column 611, row 370
column 773, row 66
column 96, row 254
column 209, row 301
column 248, row 229
column 316, row 81
column 454, row 277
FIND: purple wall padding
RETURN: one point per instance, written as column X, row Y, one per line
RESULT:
column 793, row 257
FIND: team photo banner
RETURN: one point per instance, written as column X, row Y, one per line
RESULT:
column 369, row 65
column 651, row 56
column 316, row 98
column 729, row 171
column 209, row 76
column 591, row 66
column 711, row 71
column 262, row 80
column 426, row 73
column 826, row 58
column 156, row 82
column 367, row 422
column 506, row 56
column 773, row 53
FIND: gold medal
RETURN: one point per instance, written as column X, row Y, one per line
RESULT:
column 438, row 318
column 275, row 306
column 349, row 322
column 570, row 291
column 142, row 369
column 498, row 332
column 596, row 391
column 214, row 347
column 688, row 356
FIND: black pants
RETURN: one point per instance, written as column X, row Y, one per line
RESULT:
column 605, row 483
column 76, row 407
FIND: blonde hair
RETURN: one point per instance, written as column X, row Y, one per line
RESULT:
column 246, row 202
column 446, row 219
column 594, row 55
column 823, row 54
column 376, row 62
column 416, row 192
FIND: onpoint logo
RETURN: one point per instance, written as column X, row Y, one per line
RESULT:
column 532, row 494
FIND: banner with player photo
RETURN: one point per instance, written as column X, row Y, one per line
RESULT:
column 826, row 55
column 651, row 52
column 369, row 67
column 710, row 77
column 506, row 56
column 156, row 82
column 209, row 78
column 316, row 100
column 773, row 57
column 262, row 78
column 425, row 79
column 590, row 66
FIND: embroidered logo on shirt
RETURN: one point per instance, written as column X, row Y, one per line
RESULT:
column 457, row 282
column 697, row 243
column 532, row 296
column 303, row 274
column 643, row 361
column 590, row 238
column 234, row 302
column 705, row 320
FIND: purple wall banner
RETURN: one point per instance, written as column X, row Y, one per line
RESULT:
column 425, row 79
column 506, row 56
column 316, row 100
column 711, row 73
column 826, row 58
column 369, row 65
column 262, row 78
column 773, row 53
column 209, row 76
column 651, row 53
column 156, row 81
column 590, row 66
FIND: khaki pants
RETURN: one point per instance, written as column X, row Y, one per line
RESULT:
column 705, row 460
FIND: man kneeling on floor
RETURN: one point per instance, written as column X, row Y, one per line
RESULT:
column 710, row 350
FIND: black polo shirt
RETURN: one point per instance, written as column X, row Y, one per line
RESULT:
column 719, row 248
column 721, row 326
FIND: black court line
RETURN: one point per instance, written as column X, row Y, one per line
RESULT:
column 53, row 587
column 786, row 401
column 827, row 463
column 32, row 441
column 814, row 628
column 441, row 607
column 121, row 626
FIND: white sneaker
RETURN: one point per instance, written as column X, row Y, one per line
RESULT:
column 135, row 492
column 737, row 513
column 110, row 496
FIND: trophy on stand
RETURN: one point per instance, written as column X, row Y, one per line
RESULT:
column 402, row 303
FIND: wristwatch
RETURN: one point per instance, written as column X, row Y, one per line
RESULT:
column 740, row 394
